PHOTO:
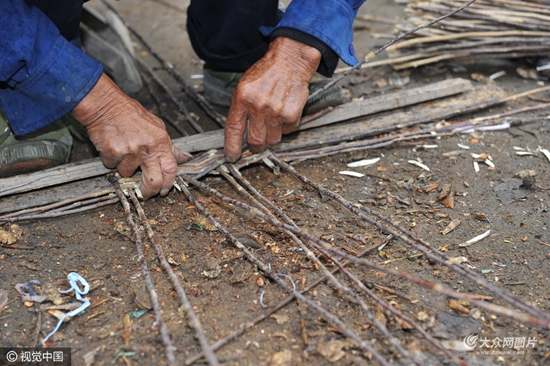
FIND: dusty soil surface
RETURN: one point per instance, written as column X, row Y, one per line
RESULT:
column 225, row 289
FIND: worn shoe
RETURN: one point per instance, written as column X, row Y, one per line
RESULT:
column 49, row 147
column 219, row 86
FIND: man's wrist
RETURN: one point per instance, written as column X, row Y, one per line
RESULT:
column 98, row 102
column 329, row 59
column 305, row 57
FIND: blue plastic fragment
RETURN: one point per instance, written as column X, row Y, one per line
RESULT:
column 73, row 278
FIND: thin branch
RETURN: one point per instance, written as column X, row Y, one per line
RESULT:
column 539, row 317
column 104, row 201
column 28, row 211
column 156, row 98
column 165, row 335
column 354, row 279
column 210, row 356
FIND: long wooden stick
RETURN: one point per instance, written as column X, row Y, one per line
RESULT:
column 210, row 356
column 165, row 335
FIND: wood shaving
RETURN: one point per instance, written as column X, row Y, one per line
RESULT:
column 546, row 153
column 475, row 239
column 420, row 165
column 490, row 163
column 352, row 174
column 365, row 162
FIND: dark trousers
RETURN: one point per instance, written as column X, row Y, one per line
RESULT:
column 225, row 33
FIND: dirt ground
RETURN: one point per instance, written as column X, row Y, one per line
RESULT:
column 225, row 289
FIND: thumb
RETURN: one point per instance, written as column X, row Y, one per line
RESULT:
column 180, row 156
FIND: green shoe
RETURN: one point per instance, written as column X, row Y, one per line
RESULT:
column 219, row 86
column 46, row 148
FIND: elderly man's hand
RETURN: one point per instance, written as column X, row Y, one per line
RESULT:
column 270, row 97
column 128, row 136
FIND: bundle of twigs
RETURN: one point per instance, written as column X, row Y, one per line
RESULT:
column 487, row 29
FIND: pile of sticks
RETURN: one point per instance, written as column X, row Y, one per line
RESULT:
column 487, row 29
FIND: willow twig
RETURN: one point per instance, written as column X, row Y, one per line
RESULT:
column 162, row 112
column 353, row 279
column 165, row 335
column 210, row 356
column 104, row 201
column 255, row 196
column 365, row 346
column 86, row 196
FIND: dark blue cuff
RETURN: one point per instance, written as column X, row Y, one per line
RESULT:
column 55, row 87
column 330, row 21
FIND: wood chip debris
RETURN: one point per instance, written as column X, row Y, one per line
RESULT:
column 457, row 260
column 365, row 162
column 452, row 225
column 420, row 165
column 465, row 147
column 452, row 154
column 455, row 305
column 352, row 174
column 475, row 239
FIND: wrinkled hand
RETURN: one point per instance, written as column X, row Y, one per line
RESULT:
column 128, row 136
column 270, row 97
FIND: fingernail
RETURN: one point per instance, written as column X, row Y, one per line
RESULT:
column 164, row 192
column 231, row 159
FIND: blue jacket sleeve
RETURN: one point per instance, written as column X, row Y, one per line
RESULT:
column 42, row 75
column 330, row 21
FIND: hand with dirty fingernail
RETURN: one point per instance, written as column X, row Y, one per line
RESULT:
column 127, row 136
column 270, row 97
